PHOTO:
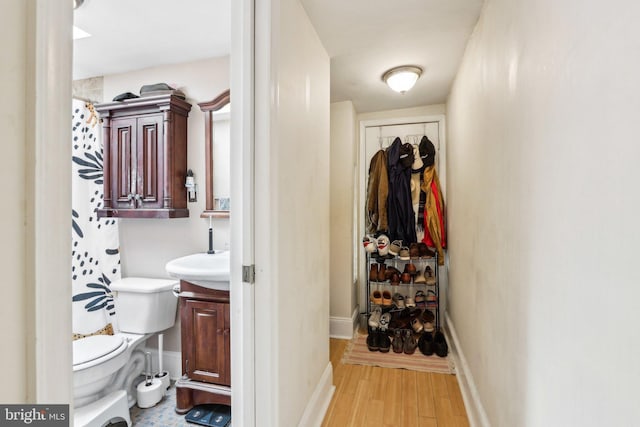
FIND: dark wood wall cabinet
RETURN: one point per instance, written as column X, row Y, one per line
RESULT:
column 145, row 157
column 206, row 347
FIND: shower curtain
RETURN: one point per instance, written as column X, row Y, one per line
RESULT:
column 95, row 250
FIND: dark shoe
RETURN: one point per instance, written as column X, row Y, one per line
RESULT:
column 381, row 272
column 425, row 344
column 428, row 319
column 414, row 252
column 424, row 251
column 410, row 342
column 373, row 341
column 440, row 344
column 395, row 279
column 385, row 342
column 390, row 271
column 398, row 341
column 400, row 319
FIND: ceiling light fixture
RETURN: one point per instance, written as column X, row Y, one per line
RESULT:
column 402, row 79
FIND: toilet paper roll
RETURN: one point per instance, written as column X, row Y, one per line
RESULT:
column 150, row 395
column 165, row 379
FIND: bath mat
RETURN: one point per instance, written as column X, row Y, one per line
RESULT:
column 357, row 353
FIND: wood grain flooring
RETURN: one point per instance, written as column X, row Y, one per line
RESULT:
column 385, row 397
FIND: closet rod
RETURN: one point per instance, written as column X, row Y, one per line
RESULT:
column 401, row 124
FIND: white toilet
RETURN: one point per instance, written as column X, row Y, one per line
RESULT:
column 105, row 366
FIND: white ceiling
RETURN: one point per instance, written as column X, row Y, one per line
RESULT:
column 364, row 38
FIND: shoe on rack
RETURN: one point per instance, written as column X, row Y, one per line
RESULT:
column 410, row 342
column 376, row 297
column 370, row 244
column 395, row 279
column 425, row 344
column 414, row 252
column 430, row 279
column 409, row 301
column 394, row 247
column 386, row 298
column 428, row 319
column 383, row 245
column 390, row 271
column 416, row 323
column 373, row 341
column 420, row 300
column 382, row 270
column 410, row 268
column 400, row 319
column 440, row 344
column 373, row 272
column 398, row 300
column 424, row 251
column 405, row 278
column 398, row 341
column 374, row 317
column 432, row 300
column 384, row 342
column 420, row 279
column 404, row 254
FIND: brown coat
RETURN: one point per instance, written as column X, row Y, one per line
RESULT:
column 434, row 211
column 377, row 192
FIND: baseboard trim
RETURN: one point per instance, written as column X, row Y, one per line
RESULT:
column 171, row 361
column 475, row 411
column 343, row 327
column 320, row 399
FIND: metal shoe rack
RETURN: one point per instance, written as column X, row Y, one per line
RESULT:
column 402, row 288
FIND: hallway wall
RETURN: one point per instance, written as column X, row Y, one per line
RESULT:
column 543, row 203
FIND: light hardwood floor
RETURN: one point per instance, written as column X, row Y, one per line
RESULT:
column 384, row 397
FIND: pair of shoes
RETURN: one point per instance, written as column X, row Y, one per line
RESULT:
column 378, row 341
column 425, row 344
column 440, row 344
column 410, row 342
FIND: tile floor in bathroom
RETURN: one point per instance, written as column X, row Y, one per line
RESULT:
column 161, row 415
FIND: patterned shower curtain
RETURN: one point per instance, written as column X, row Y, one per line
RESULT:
column 95, row 251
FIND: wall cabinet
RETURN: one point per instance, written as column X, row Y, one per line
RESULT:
column 145, row 157
column 206, row 347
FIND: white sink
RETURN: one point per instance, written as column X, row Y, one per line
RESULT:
column 207, row 270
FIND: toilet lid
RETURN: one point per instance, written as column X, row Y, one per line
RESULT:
column 93, row 347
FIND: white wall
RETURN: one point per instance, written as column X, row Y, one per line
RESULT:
column 292, row 216
column 543, row 205
column 343, row 167
column 146, row 245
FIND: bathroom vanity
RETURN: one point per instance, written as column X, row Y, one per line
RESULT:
column 206, row 347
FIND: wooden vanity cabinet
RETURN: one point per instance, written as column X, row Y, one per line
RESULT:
column 206, row 347
column 145, row 157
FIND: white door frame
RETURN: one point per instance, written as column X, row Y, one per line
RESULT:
column 51, row 37
column 362, row 173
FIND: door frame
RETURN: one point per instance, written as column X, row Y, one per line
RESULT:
column 51, row 49
column 362, row 175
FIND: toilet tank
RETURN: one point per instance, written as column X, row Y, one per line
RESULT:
column 144, row 305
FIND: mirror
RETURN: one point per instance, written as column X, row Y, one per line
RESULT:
column 217, row 155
